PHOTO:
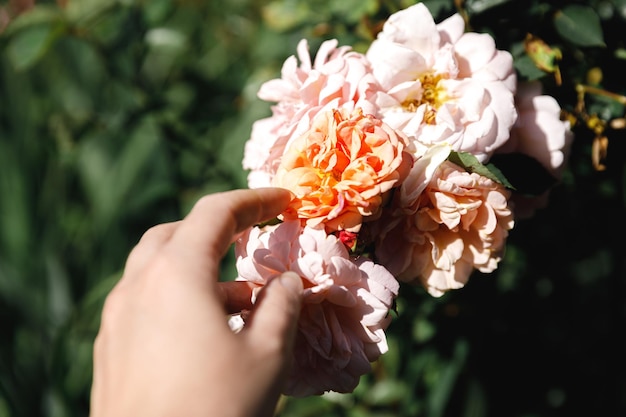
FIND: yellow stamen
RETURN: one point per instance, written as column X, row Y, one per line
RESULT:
column 433, row 96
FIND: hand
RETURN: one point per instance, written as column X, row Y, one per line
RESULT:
column 164, row 347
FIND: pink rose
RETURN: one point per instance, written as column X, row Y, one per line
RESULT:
column 339, row 77
column 346, row 303
column 340, row 169
column 540, row 133
column 458, row 222
column 442, row 84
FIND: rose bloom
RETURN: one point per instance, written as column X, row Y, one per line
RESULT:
column 443, row 224
column 339, row 77
column 346, row 302
column 540, row 133
column 441, row 84
column 341, row 168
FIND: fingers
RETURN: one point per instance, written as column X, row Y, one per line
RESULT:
column 275, row 317
column 158, row 234
column 151, row 241
column 237, row 295
column 216, row 218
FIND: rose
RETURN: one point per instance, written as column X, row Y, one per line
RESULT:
column 444, row 223
column 345, row 303
column 339, row 77
column 341, row 168
column 442, row 85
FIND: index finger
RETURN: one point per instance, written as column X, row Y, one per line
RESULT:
column 207, row 231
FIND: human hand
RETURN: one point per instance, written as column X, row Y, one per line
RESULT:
column 164, row 347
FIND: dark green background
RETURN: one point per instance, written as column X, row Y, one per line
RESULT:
column 117, row 115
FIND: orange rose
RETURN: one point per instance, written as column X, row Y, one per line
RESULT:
column 340, row 169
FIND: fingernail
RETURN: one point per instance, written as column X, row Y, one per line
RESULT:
column 291, row 281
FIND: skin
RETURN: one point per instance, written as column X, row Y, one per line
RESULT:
column 164, row 347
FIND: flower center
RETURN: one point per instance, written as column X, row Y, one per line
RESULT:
column 328, row 178
column 433, row 96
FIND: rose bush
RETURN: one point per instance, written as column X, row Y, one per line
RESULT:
column 389, row 157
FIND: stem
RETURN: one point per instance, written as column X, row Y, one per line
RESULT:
column 580, row 88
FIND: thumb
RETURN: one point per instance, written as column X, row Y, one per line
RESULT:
column 275, row 316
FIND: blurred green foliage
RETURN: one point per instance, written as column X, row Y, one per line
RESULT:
column 116, row 115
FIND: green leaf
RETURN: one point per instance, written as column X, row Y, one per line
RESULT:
column 16, row 229
column 527, row 68
column 469, row 162
column 283, row 16
column 353, row 10
column 440, row 394
column 38, row 15
column 438, row 8
column 579, row 25
column 27, row 46
column 386, row 392
column 423, row 330
column 620, row 53
column 479, row 6
column 87, row 11
column 115, row 180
